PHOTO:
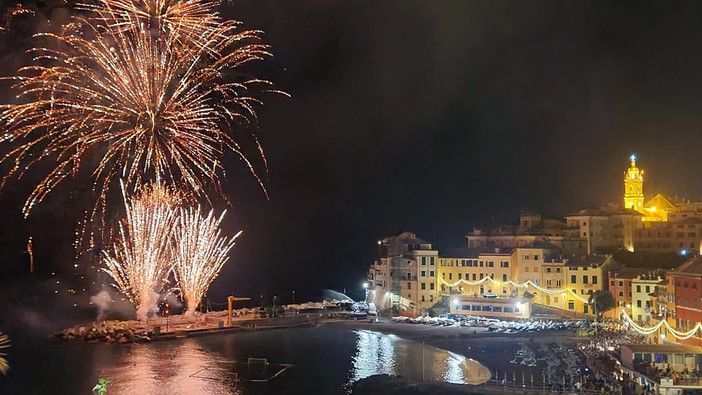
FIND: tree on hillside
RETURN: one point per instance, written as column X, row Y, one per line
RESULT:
column 602, row 301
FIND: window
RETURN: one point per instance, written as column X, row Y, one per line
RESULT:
column 526, row 269
column 431, row 261
column 422, row 298
column 594, row 280
column 584, row 234
column 431, row 297
column 424, row 261
column 536, row 269
column 504, row 277
column 648, row 289
column 431, row 273
column 558, row 270
column 526, row 257
column 424, row 273
column 685, row 284
column 548, row 270
column 431, row 286
column 638, row 289
column 424, row 286
column 481, row 263
column 409, row 285
column 536, row 257
column 638, row 304
column 558, row 283
column 571, row 306
column 491, row 264
column 621, row 294
column 611, row 283
column 450, row 276
column 504, row 264
column 621, row 283
column 573, row 279
column 474, row 277
column 460, row 276
column 481, row 276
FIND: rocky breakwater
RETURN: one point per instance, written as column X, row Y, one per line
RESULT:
column 107, row 331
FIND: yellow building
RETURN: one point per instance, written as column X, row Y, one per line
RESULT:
column 585, row 275
column 633, row 187
column 656, row 209
column 473, row 265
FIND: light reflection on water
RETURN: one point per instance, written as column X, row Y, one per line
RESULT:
column 379, row 353
column 326, row 360
column 184, row 368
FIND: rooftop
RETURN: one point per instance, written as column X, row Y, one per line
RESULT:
column 630, row 272
column 473, row 253
column 588, row 260
column 664, row 348
column 691, row 267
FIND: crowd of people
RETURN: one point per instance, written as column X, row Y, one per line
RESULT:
column 650, row 370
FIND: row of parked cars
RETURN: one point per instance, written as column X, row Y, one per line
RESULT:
column 493, row 324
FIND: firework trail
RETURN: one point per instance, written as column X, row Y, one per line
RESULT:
column 122, row 86
column 4, row 344
column 199, row 252
column 140, row 261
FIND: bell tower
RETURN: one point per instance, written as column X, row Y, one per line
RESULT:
column 633, row 187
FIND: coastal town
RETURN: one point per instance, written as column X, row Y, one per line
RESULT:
column 541, row 268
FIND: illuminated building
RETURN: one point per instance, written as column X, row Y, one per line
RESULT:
column 641, row 303
column 633, row 187
column 687, row 280
column 403, row 276
column 474, row 264
column 620, row 287
column 585, row 275
column 532, row 228
column 605, row 227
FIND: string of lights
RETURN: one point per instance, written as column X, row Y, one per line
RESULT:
column 647, row 331
column 525, row 284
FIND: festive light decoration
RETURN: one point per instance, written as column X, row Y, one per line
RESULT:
column 4, row 344
column 663, row 323
column 199, row 251
column 140, row 261
column 141, row 85
column 525, row 284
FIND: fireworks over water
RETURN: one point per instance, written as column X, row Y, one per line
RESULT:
column 140, row 262
column 120, row 84
column 199, row 252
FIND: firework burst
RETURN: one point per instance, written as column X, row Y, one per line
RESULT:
column 199, row 251
column 140, row 261
column 4, row 344
column 121, row 85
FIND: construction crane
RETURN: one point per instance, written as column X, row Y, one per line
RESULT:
column 230, row 302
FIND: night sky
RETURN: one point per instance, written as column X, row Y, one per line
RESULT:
column 437, row 117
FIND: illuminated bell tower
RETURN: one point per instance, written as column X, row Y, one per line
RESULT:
column 633, row 187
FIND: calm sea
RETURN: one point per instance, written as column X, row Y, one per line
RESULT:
column 325, row 360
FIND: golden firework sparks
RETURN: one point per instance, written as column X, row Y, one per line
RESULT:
column 4, row 344
column 140, row 261
column 199, row 252
column 120, row 84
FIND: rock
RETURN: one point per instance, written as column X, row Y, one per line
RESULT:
column 122, row 340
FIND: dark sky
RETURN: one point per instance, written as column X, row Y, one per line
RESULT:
column 436, row 117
